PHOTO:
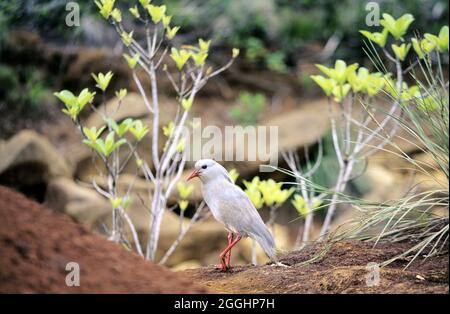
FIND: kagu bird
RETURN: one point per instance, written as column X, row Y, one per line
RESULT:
column 231, row 206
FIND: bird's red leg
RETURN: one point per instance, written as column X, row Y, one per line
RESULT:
column 226, row 265
column 230, row 240
column 227, row 249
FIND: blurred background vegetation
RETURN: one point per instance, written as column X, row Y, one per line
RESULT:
column 273, row 32
column 274, row 35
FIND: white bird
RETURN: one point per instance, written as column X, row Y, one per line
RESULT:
column 232, row 207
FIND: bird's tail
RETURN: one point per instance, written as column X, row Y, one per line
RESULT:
column 266, row 241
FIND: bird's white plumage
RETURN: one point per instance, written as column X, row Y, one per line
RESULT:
column 231, row 206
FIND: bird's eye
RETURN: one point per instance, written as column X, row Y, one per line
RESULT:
column 204, row 166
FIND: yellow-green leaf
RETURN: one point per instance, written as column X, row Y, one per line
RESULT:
column 376, row 37
column 135, row 12
column 105, row 6
column 299, row 204
column 282, row 196
column 204, row 45
column 171, row 32
column 116, row 202
column 180, row 146
column 340, row 92
column 398, row 27
column 167, row 130
column 340, row 71
column 127, row 38
column 116, row 15
column 180, row 57
column 166, row 19
column 184, row 190
column 401, row 51
column 139, row 130
column 327, row 84
column 440, row 41
column 132, row 61
column 186, row 103
column 183, row 204
column 199, row 58
column 417, row 48
column 233, row 175
column 121, row 93
column 102, row 79
column 235, row 52
column 156, row 12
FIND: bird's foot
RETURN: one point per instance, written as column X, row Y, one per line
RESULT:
column 279, row 264
column 222, row 267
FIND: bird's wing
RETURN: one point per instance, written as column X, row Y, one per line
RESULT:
column 248, row 210
column 238, row 212
column 238, row 208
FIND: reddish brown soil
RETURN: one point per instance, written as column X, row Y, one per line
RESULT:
column 37, row 243
column 341, row 270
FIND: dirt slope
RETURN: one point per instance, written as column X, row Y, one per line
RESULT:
column 342, row 270
column 37, row 243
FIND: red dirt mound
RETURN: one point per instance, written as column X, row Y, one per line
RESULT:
column 36, row 244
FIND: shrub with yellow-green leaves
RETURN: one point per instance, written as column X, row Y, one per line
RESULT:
column 355, row 92
column 116, row 142
column 343, row 78
column 423, row 114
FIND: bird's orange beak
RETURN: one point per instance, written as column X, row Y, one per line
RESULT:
column 194, row 174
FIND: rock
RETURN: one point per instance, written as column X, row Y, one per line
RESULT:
column 391, row 177
column 28, row 147
column 297, row 128
column 427, row 162
column 28, row 161
column 405, row 143
column 86, row 60
column 440, row 212
column 432, row 181
column 141, row 187
column 84, row 205
column 191, row 264
column 382, row 182
column 301, row 127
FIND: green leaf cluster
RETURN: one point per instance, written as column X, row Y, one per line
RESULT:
column 105, row 146
column 74, row 104
column 266, row 192
column 397, row 28
column 251, row 107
